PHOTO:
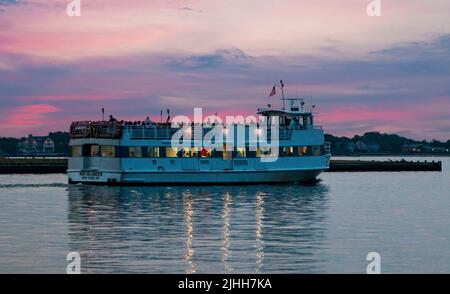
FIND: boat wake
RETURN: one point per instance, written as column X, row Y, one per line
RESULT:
column 62, row 185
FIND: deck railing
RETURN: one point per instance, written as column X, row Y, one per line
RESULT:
column 114, row 130
column 165, row 132
column 102, row 129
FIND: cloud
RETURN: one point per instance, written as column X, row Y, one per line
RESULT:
column 37, row 109
column 287, row 27
column 27, row 118
column 225, row 57
column 136, row 57
column 352, row 95
column 190, row 9
column 8, row 2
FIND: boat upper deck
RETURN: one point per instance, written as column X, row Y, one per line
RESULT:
column 290, row 120
column 157, row 131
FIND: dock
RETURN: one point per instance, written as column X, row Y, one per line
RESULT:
column 59, row 165
column 33, row 165
column 384, row 166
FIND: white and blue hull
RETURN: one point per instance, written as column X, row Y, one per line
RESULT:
column 193, row 172
column 198, row 178
column 221, row 177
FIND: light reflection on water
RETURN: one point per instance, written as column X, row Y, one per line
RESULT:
column 188, row 215
column 196, row 229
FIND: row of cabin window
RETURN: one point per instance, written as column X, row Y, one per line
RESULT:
column 155, row 152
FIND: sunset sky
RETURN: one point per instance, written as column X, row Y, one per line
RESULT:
column 388, row 73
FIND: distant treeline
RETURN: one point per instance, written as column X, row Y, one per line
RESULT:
column 369, row 143
column 376, row 142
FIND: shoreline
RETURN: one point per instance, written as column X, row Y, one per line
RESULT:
column 59, row 165
column 393, row 155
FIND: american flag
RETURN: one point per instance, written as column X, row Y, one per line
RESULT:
column 274, row 92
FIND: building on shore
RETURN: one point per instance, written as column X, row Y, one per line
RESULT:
column 367, row 146
column 413, row 148
column 433, row 149
column 423, row 148
column 36, row 145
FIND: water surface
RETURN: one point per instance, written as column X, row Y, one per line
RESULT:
column 324, row 228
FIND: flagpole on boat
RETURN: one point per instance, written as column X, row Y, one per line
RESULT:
column 281, row 86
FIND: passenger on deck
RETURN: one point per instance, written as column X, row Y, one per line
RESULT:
column 148, row 121
column 111, row 118
column 293, row 124
column 204, row 152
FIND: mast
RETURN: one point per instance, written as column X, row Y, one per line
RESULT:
column 280, row 86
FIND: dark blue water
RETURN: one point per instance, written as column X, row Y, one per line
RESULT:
column 329, row 227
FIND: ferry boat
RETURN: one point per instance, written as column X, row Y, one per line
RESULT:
column 121, row 153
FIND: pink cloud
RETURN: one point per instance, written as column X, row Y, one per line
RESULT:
column 30, row 114
column 28, row 118
column 429, row 121
column 37, row 108
column 117, row 27
column 358, row 114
